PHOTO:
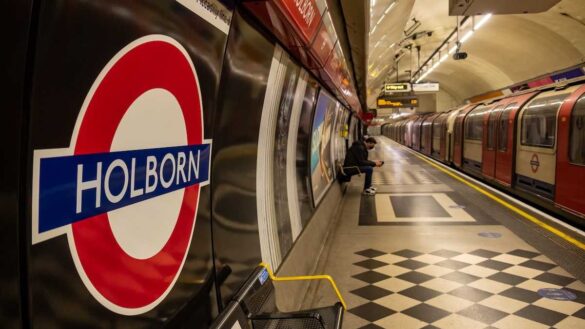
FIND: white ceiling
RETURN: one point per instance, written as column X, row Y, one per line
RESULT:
column 508, row 49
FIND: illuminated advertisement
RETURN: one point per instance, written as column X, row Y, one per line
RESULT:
column 322, row 173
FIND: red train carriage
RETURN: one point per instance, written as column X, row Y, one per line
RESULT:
column 570, row 175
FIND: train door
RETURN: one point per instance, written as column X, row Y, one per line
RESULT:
column 443, row 139
column 426, row 134
column 570, row 186
column 505, row 138
column 458, row 135
column 458, row 140
column 416, row 133
column 449, row 134
column 473, row 139
column 408, row 133
column 437, row 136
column 537, row 147
column 490, row 135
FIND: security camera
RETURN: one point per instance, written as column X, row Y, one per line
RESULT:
column 459, row 55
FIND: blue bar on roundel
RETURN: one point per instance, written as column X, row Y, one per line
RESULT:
column 72, row 188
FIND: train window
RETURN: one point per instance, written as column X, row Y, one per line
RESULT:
column 503, row 128
column 577, row 141
column 474, row 123
column 492, row 128
column 539, row 122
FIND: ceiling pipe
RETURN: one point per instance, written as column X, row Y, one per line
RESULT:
column 455, row 30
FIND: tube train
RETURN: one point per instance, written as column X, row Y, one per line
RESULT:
column 530, row 143
column 154, row 147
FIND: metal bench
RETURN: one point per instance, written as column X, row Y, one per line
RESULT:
column 344, row 173
column 254, row 307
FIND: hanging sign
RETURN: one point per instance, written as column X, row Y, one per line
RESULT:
column 397, row 102
column 402, row 87
column 426, row 87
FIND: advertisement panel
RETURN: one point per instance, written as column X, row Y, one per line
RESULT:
column 322, row 173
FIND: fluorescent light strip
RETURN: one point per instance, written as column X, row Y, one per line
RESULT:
column 466, row 36
column 381, row 18
column 390, row 8
column 483, row 21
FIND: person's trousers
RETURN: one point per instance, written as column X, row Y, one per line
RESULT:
column 368, row 171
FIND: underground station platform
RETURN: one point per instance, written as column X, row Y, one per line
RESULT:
column 434, row 248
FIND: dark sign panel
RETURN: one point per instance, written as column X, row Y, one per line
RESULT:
column 397, row 102
column 397, row 87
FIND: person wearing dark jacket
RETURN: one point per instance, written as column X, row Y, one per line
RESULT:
column 357, row 156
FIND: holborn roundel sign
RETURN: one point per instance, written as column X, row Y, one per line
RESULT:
column 126, row 190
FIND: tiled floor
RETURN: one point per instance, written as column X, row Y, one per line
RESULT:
column 480, row 288
column 430, row 252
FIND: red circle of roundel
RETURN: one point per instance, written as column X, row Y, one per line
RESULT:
column 534, row 163
column 124, row 281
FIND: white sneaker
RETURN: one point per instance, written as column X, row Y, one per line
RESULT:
column 369, row 191
column 372, row 188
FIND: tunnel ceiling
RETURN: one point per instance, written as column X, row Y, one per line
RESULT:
column 506, row 50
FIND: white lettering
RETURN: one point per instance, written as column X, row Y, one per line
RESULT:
column 163, row 182
column 134, row 192
column 194, row 166
column 181, row 167
column 92, row 184
column 151, row 172
column 306, row 9
column 112, row 197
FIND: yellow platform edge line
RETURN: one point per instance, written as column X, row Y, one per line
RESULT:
column 515, row 209
column 304, row 278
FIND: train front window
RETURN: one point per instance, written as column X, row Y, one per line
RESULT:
column 577, row 141
column 539, row 122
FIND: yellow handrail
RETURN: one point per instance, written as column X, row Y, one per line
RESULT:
column 306, row 277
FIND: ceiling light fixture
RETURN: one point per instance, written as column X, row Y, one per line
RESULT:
column 454, row 48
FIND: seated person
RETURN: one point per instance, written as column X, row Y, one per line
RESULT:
column 357, row 156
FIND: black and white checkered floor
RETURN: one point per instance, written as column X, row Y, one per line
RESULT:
column 476, row 289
